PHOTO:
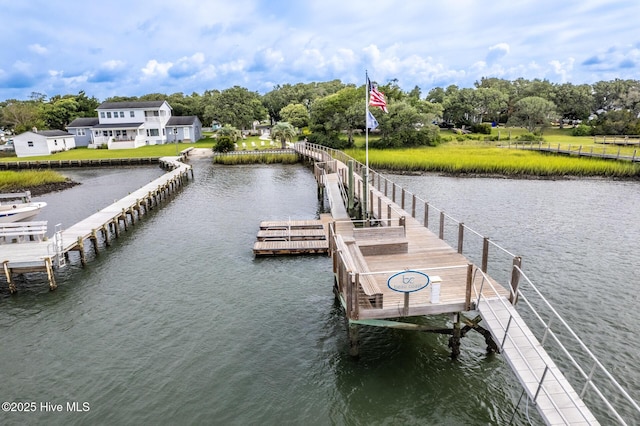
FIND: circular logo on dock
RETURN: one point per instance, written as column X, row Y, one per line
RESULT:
column 408, row 281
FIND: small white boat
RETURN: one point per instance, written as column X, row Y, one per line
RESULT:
column 19, row 211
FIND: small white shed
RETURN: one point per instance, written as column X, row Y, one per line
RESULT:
column 44, row 142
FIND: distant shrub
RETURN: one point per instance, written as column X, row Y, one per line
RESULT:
column 482, row 128
column 582, row 130
column 530, row 137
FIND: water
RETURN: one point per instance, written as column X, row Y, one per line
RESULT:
column 177, row 322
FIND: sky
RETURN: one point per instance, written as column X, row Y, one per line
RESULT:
column 135, row 47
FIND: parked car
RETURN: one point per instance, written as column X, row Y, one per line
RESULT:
column 8, row 146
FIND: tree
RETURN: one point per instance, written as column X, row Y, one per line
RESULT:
column 573, row 102
column 57, row 114
column 284, row 132
column 533, row 113
column 329, row 113
column 489, row 103
column 21, row 116
column 236, row 106
column 404, row 125
column 229, row 132
column 459, row 105
column 296, row 114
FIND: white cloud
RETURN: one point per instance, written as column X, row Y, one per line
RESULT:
column 156, row 69
column 562, row 69
column 37, row 48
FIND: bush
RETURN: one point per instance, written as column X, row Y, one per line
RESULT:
column 482, row 128
column 530, row 137
column 224, row 144
column 582, row 130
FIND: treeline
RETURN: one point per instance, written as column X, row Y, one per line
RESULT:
column 329, row 110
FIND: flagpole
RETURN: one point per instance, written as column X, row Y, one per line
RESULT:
column 366, row 145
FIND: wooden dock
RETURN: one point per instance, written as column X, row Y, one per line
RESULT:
column 378, row 264
column 292, row 237
column 104, row 225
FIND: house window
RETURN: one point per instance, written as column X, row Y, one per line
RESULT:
column 153, row 132
column 121, row 114
column 101, row 114
column 132, row 113
column 108, row 114
column 55, row 142
column 80, row 132
column 163, row 132
column 151, row 114
column 30, row 143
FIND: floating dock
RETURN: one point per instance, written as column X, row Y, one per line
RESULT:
column 292, row 237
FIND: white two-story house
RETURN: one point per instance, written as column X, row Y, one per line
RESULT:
column 122, row 125
column 131, row 124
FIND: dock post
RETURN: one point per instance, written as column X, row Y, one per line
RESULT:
column 9, row 275
column 105, row 234
column 123, row 217
column 454, row 340
column 515, row 279
column 94, row 240
column 350, row 194
column 50, row 276
column 83, row 258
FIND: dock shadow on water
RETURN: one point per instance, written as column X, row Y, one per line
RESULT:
column 177, row 322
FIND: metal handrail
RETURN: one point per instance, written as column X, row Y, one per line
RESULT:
column 582, row 345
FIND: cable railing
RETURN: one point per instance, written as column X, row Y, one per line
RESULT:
column 587, row 373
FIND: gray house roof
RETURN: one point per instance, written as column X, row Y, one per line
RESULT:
column 186, row 120
column 131, row 104
column 53, row 133
column 84, row 122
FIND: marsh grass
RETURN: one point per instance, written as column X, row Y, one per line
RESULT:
column 12, row 181
column 256, row 158
column 493, row 160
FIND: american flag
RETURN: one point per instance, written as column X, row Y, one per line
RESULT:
column 376, row 98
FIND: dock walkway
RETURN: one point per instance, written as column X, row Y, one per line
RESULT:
column 46, row 255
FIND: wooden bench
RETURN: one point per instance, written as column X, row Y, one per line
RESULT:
column 355, row 262
column 381, row 240
column 18, row 231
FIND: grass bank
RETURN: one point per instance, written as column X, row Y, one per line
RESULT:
column 11, row 181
